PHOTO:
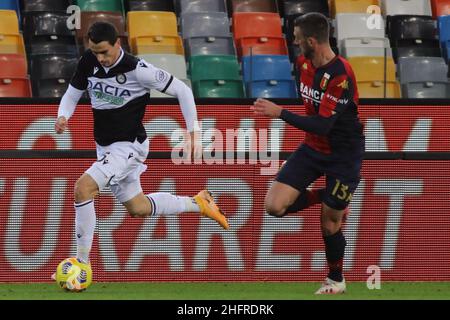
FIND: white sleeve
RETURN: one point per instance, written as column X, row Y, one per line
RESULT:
column 151, row 77
column 187, row 103
column 69, row 102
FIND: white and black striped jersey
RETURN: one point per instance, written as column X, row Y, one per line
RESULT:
column 119, row 94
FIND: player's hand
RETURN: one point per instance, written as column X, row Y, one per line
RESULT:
column 196, row 145
column 266, row 108
column 60, row 125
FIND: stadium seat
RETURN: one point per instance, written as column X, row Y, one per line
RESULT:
column 207, row 33
column 258, row 33
column 45, row 5
column 410, row 27
column 422, row 69
column 216, row 77
column 254, row 6
column 219, row 46
column 369, row 69
column 354, row 25
column 414, row 50
column 101, row 5
column 444, row 30
column 15, row 88
column 174, row 64
column 204, row 24
column 149, row 5
column 47, row 33
column 440, row 8
column 371, row 77
column 355, row 39
column 268, row 76
column 13, row 66
column 447, row 53
column 51, row 88
column 153, row 32
column 365, row 47
column 294, row 7
column 51, row 74
column 379, row 89
column 44, row 67
column 426, row 90
column 266, row 67
column 272, row 89
column 187, row 6
column 412, row 36
column 413, row 7
column 10, row 5
column 88, row 18
column 350, row 6
column 11, row 40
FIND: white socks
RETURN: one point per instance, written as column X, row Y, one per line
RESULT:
column 84, row 228
column 164, row 203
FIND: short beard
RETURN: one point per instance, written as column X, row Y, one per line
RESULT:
column 308, row 53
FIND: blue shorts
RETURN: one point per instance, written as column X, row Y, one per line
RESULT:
column 306, row 165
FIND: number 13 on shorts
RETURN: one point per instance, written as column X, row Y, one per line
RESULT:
column 341, row 192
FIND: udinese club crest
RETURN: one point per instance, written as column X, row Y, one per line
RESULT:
column 121, row 78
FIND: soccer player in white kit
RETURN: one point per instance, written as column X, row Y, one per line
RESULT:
column 119, row 85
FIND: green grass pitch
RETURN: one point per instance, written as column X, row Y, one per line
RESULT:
column 225, row 291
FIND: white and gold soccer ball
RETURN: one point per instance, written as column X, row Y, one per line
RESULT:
column 73, row 275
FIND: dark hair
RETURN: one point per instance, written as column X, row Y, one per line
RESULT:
column 314, row 25
column 102, row 31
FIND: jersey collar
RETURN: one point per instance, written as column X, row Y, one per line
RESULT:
column 115, row 63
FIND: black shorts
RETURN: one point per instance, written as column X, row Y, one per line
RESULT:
column 306, row 165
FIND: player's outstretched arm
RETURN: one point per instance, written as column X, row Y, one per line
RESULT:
column 189, row 110
column 314, row 124
column 67, row 107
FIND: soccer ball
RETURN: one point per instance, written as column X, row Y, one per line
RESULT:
column 73, row 275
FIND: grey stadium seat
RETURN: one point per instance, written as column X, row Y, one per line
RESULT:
column 185, row 6
column 204, row 24
column 431, row 90
column 422, row 69
column 207, row 33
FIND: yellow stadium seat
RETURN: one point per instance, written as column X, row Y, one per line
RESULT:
column 9, row 23
column 350, row 6
column 12, row 44
column 372, row 68
column 169, row 45
column 11, row 41
column 375, row 89
column 153, row 32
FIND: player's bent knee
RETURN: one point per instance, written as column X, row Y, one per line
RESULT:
column 82, row 192
column 275, row 210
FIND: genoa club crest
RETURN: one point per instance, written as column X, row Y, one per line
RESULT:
column 324, row 81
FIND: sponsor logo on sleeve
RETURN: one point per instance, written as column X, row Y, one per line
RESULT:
column 161, row 76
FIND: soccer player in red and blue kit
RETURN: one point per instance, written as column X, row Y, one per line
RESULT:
column 333, row 146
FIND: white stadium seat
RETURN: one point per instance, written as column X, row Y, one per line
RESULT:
column 356, row 37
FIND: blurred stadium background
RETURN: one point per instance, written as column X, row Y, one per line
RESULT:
column 231, row 52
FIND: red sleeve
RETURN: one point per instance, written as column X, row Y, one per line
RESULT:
column 336, row 97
